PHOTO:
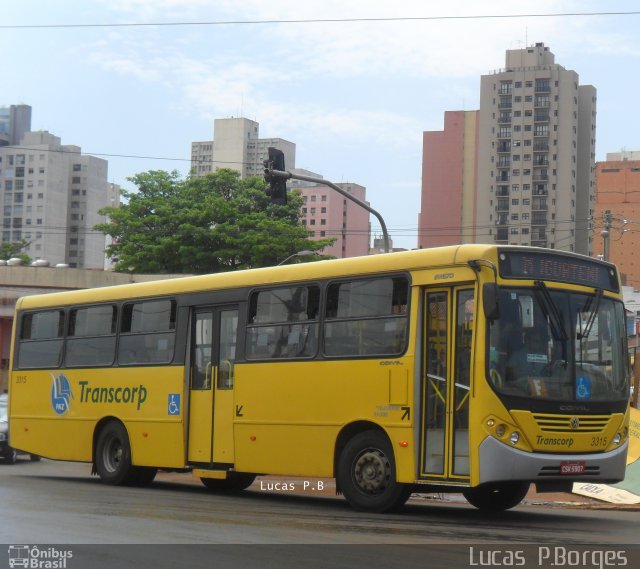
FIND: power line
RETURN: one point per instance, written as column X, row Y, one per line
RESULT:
column 318, row 20
column 199, row 160
column 397, row 231
column 109, row 155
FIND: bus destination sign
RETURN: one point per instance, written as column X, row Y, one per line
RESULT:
column 557, row 267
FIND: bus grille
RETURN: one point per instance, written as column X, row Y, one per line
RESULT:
column 572, row 423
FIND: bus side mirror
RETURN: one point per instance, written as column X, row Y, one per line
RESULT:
column 490, row 301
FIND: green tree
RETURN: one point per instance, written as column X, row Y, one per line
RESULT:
column 203, row 225
column 11, row 250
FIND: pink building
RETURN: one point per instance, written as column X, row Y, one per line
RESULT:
column 449, row 160
column 329, row 214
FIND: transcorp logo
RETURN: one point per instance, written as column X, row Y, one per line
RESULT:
column 61, row 394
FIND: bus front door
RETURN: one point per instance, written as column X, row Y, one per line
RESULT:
column 448, row 325
column 213, row 350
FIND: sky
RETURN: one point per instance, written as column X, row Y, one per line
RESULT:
column 353, row 83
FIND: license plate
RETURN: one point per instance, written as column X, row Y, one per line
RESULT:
column 576, row 467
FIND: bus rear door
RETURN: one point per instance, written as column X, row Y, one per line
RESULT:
column 213, row 350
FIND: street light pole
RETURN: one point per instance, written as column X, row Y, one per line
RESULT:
column 304, row 253
column 285, row 175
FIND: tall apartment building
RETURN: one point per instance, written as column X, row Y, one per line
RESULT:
column 448, row 210
column 618, row 191
column 536, row 178
column 535, row 157
column 327, row 214
column 51, row 195
column 237, row 145
column 15, row 121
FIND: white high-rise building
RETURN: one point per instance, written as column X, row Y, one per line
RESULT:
column 237, row 145
column 51, row 195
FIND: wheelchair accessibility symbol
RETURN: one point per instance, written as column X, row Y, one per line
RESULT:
column 173, row 407
column 583, row 388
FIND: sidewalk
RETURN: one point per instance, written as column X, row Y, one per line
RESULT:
column 570, row 500
column 546, row 499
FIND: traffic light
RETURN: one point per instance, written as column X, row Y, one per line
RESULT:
column 277, row 189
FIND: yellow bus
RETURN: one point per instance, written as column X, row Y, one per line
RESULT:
column 476, row 369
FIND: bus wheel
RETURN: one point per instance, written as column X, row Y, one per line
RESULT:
column 12, row 456
column 235, row 482
column 113, row 456
column 497, row 497
column 367, row 474
column 144, row 475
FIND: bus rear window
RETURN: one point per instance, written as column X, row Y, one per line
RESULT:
column 42, row 325
column 41, row 339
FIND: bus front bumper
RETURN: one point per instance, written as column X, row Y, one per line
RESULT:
column 500, row 463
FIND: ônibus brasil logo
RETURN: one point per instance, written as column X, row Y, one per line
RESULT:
column 34, row 557
column 60, row 394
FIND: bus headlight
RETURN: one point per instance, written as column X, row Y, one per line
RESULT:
column 617, row 439
column 514, row 438
column 501, row 430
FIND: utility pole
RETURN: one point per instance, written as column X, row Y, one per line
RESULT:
column 606, row 233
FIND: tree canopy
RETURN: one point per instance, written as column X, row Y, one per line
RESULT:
column 9, row 250
column 202, row 225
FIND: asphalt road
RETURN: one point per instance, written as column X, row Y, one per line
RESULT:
column 62, row 505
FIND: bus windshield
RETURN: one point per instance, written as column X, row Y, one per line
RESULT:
column 560, row 345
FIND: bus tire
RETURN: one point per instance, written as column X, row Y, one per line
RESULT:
column 11, row 456
column 366, row 474
column 235, row 482
column 144, row 475
column 113, row 456
column 498, row 496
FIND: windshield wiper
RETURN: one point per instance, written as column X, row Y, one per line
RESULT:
column 592, row 315
column 551, row 310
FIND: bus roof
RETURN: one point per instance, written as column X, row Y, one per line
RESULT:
column 373, row 264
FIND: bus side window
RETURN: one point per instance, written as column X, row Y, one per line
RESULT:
column 366, row 317
column 147, row 333
column 41, row 339
column 283, row 323
column 92, row 336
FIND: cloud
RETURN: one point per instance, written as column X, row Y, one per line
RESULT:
column 435, row 48
column 289, row 76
